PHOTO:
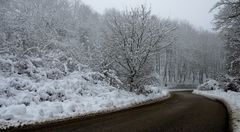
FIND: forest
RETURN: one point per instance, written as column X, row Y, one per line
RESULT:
column 61, row 60
column 51, row 39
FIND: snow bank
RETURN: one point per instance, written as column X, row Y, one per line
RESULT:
column 231, row 98
column 23, row 101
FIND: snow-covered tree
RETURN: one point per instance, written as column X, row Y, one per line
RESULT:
column 227, row 21
column 131, row 38
column 56, row 33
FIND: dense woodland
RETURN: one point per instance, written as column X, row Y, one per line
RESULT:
column 227, row 22
column 49, row 39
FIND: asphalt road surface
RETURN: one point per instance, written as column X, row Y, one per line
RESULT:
column 183, row 112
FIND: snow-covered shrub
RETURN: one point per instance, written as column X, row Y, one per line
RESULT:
column 97, row 76
column 51, row 94
column 230, row 83
column 21, row 67
column 150, row 80
column 150, row 90
column 54, row 74
column 37, row 62
column 5, row 65
column 25, row 67
column 112, row 79
column 153, row 89
column 18, row 84
column 233, row 85
column 209, row 85
column 8, row 92
column 72, row 65
column 141, row 84
column 28, row 99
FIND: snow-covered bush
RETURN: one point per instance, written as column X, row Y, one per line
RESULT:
column 72, row 65
column 225, row 83
column 37, row 62
column 5, row 65
column 233, row 85
column 112, row 79
column 149, row 89
column 230, row 83
column 209, row 85
column 55, row 74
column 149, row 80
column 19, row 83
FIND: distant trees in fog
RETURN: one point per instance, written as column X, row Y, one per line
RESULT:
column 195, row 56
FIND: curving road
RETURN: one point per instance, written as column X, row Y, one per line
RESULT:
column 183, row 112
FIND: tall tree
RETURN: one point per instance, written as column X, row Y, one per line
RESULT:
column 131, row 38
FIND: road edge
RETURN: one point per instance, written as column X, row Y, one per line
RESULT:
column 226, row 104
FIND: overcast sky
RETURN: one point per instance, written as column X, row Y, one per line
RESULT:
column 194, row 11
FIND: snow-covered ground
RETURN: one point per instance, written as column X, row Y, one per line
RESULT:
column 23, row 101
column 230, row 98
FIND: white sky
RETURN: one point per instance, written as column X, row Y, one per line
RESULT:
column 194, row 11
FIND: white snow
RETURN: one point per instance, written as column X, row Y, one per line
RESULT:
column 232, row 99
column 23, row 101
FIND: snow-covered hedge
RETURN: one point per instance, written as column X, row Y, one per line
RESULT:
column 224, row 82
column 23, row 100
